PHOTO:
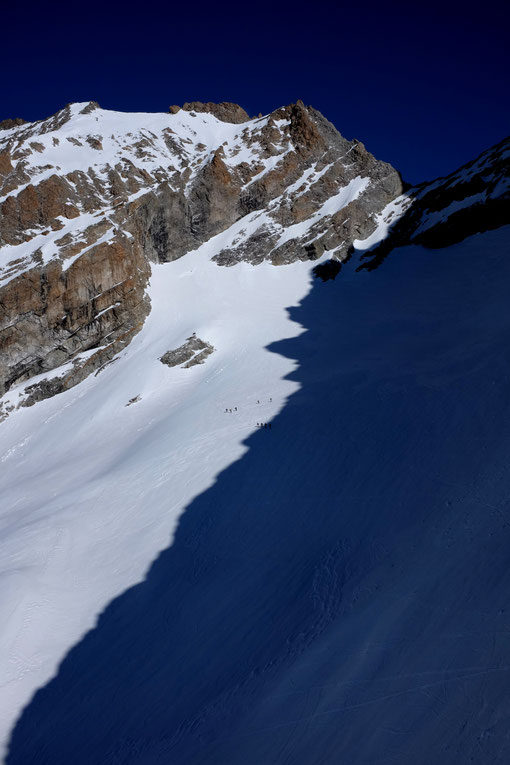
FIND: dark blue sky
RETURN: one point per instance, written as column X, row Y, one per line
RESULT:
column 423, row 85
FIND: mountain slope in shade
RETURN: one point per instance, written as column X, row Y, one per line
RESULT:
column 340, row 592
column 473, row 199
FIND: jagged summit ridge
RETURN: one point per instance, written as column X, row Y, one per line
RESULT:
column 89, row 198
column 108, row 155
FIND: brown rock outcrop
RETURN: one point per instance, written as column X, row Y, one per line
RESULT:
column 224, row 111
column 5, row 163
column 36, row 206
column 11, row 123
column 50, row 314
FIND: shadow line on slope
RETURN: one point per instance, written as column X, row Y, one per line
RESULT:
column 328, row 563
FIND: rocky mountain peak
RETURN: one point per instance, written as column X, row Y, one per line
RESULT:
column 304, row 129
column 90, row 198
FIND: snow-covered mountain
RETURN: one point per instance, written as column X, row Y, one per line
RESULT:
column 249, row 515
column 91, row 198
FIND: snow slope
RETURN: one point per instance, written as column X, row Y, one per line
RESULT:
column 336, row 590
column 92, row 489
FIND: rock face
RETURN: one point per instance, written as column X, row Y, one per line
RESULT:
column 52, row 314
column 225, row 111
column 90, row 198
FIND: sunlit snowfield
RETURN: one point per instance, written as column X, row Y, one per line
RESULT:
column 92, row 489
column 339, row 593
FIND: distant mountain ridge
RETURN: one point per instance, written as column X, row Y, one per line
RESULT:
column 473, row 199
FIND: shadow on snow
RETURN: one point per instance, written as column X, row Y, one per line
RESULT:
column 340, row 593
